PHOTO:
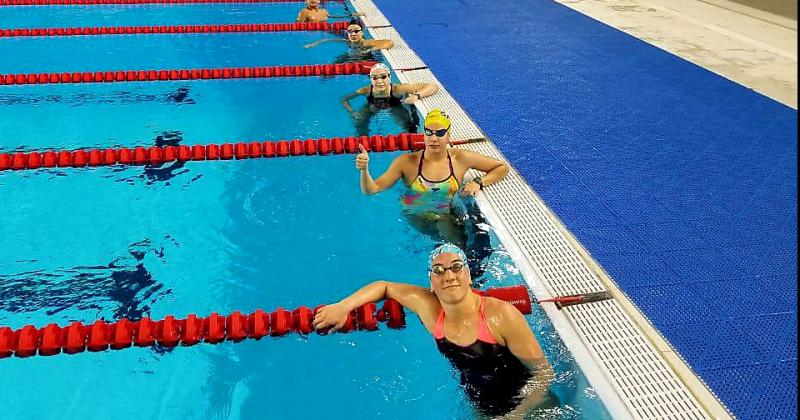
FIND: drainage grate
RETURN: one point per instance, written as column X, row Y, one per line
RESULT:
column 644, row 381
column 401, row 52
column 463, row 126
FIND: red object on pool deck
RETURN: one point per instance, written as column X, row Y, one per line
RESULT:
column 156, row 155
column 171, row 332
column 95, row 2
column 119, row 76
column 175, row 29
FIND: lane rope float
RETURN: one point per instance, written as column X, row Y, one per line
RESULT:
column 361, row 67
column 174, row 29
column 157, row 155
column 172, row 332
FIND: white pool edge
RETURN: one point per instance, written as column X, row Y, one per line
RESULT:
column 588, row 365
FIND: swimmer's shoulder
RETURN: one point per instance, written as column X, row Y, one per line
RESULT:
column 500, row 315
column 463, row 156
column 412, row 157
column 407, row 164
column 498, row 311
column 459, row 153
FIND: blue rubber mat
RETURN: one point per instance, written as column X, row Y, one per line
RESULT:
column 682, row 184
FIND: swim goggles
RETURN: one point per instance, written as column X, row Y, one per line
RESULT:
column 440, row 269
column 380, row 77
column 439, row 133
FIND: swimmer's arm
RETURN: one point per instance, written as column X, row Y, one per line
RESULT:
column 346, row 99
column 495, row 170
column 520, row 340
column 380, row 44
column 387, row 180
column 422, row 89
column 321, row 41
column 417, row 299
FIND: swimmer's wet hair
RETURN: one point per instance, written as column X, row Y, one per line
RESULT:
column 356, row 21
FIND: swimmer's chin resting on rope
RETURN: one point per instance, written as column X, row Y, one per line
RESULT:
column 313, row 13
column 502, row 367
column 437, row 161
column 355, row 39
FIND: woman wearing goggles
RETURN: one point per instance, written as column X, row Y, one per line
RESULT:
column 503, row 370
column 354, row 37
column 433, row 177
column 383, row 95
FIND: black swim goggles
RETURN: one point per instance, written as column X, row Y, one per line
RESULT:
column 439, row 269
column 380, row 77
column 353, row 31
column 439, row 133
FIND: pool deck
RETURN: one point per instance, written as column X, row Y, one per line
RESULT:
column 678, row 183
column 752, row 47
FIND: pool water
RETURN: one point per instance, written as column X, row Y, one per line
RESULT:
column 202, row 237
column 209, row 111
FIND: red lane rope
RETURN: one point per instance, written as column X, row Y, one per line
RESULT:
column 171, row 332
column 176, row 29
column 361, row 67
column 156, row 155
column 99, row 2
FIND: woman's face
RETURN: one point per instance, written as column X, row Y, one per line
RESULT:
column 380, row 79
column 433, row 140
column 453, row 284
column 355, row 33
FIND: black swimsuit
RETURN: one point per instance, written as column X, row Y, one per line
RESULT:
column 385, row 102
column 491, row 375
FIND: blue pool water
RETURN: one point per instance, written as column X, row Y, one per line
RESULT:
column 219, row 236
column 134, row 114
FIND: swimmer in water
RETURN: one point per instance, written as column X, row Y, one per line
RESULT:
column 313, row 13
column 502, row 368
column 433, row 176
column 382, row 95
column 355, row 40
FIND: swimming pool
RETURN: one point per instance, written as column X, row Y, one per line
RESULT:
column 83, row 244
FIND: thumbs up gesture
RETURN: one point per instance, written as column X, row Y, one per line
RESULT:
column 362, row 159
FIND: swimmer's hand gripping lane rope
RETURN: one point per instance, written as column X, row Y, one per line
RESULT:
column 171, row 332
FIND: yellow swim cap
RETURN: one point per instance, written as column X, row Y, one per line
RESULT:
column 436, row 115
